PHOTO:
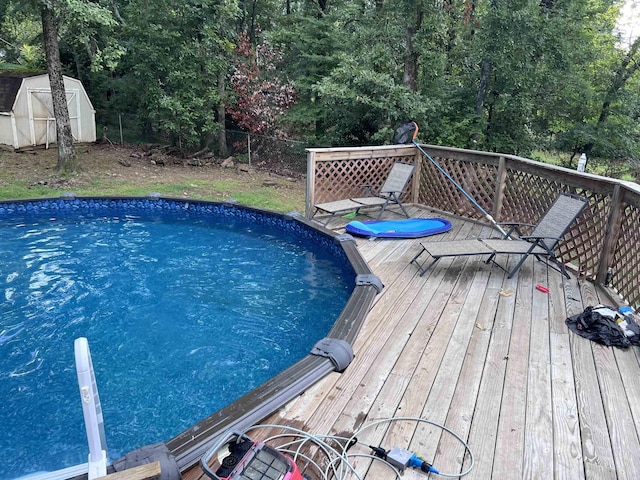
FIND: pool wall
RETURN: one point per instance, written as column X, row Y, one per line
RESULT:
column 190, row 445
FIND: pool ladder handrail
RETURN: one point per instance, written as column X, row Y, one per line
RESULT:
column 91, row 409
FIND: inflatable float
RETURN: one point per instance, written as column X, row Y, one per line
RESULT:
column 408, row 228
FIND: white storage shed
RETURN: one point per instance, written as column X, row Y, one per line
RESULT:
column 26, row 111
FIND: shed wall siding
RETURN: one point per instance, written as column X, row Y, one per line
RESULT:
column 6, row 131
column 34, row 119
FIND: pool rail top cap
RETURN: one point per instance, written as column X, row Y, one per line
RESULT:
column 337, row 350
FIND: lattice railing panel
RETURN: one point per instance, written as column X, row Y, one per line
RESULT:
column 340, row 179
column 528, row 196
column 528, row 190
column 478, row 180
column 626, row 258
column 585, row 241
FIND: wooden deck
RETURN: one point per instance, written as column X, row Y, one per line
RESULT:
column 490, row 358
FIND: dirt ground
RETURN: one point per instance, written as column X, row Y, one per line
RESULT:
column 136, row 170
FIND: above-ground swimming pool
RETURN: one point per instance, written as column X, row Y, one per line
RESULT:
column 187, row 306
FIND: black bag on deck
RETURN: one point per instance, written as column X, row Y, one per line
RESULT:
column 600, row 324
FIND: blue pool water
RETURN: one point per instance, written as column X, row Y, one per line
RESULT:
column 184, row 312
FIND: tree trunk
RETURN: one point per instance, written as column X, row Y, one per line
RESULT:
column 222, row 133
column 66, row 150
column 630, row 64
column 322, row 8
column 410, row 76
column 483, row 85
column 252, row 23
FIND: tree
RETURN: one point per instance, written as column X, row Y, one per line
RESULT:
column 176, row 53
column 499, row 75
column 52, row 14
column 309, row 47
column 261, row 96
column 600, row 114
column 416, row 14
column 624, row 71
column 66, row 150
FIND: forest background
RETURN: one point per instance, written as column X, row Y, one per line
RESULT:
column 512, row 76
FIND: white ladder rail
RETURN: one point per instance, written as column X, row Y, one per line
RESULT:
column 91, row 409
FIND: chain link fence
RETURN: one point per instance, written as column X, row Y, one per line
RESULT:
column 264, row 152
column 121, row 128
column 278, row 155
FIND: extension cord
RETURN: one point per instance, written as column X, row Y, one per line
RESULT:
column 339, row 466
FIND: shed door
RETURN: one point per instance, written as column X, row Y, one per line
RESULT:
column 42, row 120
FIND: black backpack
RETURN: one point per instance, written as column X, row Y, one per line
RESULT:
column 405, row 133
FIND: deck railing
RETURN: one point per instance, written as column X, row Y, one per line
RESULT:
column 604, row 244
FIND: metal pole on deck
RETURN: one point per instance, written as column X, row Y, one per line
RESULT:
column 462, row 190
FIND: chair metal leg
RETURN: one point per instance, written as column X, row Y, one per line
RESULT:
column 328, row 219
column 517, row 267
column 382, row 209
column 559, row 265
column 422, row 269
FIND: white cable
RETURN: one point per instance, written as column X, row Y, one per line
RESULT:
column 435, row 424
column 338, row 466
column 330, row 452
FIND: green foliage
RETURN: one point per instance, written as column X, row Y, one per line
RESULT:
column 32, row 57
column 310, row 47
column 515, row 76
column 170, row 72
column 365, row 106
column 20, row 33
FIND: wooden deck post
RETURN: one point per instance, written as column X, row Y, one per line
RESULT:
column 415, row 181
column 311, row 178
column 612, row 232
column 149, row 471
column 501, row 182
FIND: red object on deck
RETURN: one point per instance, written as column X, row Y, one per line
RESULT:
column 542, row 289
column 245, row 459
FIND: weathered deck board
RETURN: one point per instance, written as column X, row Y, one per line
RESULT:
column 538, row 437
column 596, row 447
column 510, row 440
column 488, row 357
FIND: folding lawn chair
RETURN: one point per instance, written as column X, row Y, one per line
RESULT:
column 541, row 243
column 390, row 193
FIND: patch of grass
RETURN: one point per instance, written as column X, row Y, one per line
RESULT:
column 226, row 185
column 10, row 191
column 267, row 198
column 550, row 157
column 104, row 173
column 279, row 197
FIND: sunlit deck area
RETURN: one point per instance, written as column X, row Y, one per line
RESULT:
column 488, row 357
column 463, row 346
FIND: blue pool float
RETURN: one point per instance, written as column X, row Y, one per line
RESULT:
column 409, row 228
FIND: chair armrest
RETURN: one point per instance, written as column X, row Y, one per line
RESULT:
column 368, row 189
column 517, row 223
column 514, row 228
column 536, row 239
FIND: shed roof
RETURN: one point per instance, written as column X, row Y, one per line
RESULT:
column 9, row 85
